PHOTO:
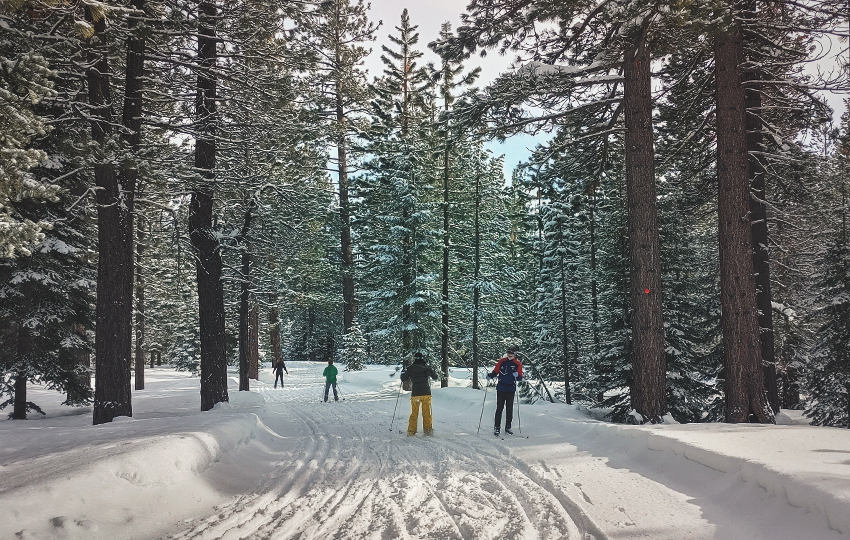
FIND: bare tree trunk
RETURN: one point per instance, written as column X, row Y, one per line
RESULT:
column 23, row 345
column 132, row 120
column 19, row 412
column 204, row 241
column 349, row 309
column 476, row 290
column 565, row 335
column 114, row 308
column 140, row 305
column 244, row 302
column 758, row 209
column 84, row 356
column 745, row 396
column 253, row 341
column 649, row 366
column 274, row 330
column 594, row 285
column 444, row 296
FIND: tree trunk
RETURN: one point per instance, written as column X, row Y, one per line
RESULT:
column 311, row 328
column 274, row 330
column 565, row 342
column 594, row 285
column 758, row 209
column 19, row 412
column 132, row 120
column 23, row 346
column 349, row 309
column 253, row 341
column 114, row 307
column 201, row 232
column 244, row 304
column 244, row 323
column 140, row 305
column 745, row 396
column 476, row 289
column 444, row 297
column 648, row 392
column 84, row 356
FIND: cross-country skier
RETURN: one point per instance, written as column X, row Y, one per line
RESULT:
column 508, row 371
column 279, row 368
column 329, row 374
column 420, row 374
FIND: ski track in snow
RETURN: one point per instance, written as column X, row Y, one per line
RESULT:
column 278, row 464
column 349, row 477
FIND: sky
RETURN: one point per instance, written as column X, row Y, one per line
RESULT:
column 429, row 16
column 279, row 463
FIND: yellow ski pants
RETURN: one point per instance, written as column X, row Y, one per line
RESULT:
column 415, row 403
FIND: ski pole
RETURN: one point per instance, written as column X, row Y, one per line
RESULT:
column 396, row 403
column 518, row 417
column 482, row 406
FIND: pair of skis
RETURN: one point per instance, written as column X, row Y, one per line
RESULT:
column 499, row 435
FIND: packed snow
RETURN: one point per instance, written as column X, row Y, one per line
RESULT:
column 279, row 463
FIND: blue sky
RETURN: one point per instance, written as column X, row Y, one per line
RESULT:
column 429, row 16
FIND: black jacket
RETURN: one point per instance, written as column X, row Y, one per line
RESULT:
column 418, row 373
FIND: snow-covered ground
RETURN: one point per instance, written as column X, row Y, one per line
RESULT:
column 279, row 463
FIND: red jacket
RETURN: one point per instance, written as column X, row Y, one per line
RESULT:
column 508, row 372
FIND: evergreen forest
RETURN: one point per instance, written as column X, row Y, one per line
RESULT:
column 212, row 184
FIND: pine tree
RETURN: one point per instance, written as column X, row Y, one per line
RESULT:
column 340, row 30
column 25, row 81
column 449, row 77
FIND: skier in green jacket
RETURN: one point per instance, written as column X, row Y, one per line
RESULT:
column 330, row 379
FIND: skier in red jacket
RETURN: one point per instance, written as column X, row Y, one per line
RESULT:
column 508, row 371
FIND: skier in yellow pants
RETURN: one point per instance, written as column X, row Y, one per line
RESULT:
column 419, row 373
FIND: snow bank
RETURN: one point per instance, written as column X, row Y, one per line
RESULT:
column 796, row 463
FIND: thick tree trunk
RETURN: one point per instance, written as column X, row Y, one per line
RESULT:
column 745, row 396
column 204, row 240
column 758, row 209
column 254, row 341
column 132, row 120
column 114, row 308
column 648, row 391
column 19, row 411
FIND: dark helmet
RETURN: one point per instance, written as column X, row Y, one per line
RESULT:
column 512, row 349
column 417, row 357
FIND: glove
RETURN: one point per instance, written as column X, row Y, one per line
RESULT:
column 516, row 375
column 489, row 376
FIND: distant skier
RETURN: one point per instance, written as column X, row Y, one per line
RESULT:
column 279, row 368
column 419, row 373
column 330, row 374
column 508, row 370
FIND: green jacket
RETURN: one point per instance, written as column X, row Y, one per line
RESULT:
column 330, row 373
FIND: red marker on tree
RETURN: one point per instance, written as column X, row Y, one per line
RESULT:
column 646, row 291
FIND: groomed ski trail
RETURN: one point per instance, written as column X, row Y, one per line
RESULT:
column 348, row 476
